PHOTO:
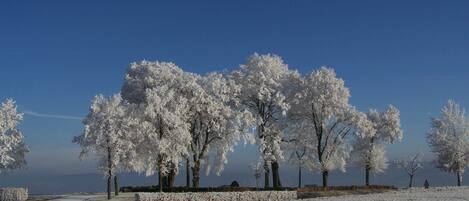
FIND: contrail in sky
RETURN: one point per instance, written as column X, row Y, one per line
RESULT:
column 53, row 116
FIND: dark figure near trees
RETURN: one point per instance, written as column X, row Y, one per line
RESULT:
column 426, row 184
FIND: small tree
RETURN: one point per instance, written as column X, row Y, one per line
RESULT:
column 369, row 149
column 12, row 146
column 411, row 165
column 105, row 133
column 449, row 139
column 257, row 172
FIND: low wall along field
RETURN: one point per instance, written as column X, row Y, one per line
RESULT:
column 219, row 196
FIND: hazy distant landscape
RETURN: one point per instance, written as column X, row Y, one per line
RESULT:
column 60, row 184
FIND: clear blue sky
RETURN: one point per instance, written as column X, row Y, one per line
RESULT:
column 56, row 55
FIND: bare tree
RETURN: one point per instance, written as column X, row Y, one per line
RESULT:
column 411, row 165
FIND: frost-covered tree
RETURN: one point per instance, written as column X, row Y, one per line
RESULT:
column 184, row 116
column 155, row 90
column 323, row 111
column 106, row 134
column 265, row 84
column 369, row 149
column 257, row 170
column 449, row 139
column 12, row 146
column 217, row 123
column 411, row 165
column 297, row 147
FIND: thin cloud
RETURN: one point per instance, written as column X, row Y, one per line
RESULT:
column 52, row 116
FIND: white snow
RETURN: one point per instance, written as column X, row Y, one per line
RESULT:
column 416, row 194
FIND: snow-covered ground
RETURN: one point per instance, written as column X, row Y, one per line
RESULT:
column 416, row 194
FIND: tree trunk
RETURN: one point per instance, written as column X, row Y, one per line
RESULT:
column 459, row 178
column 367, row 175
column 116, row 186
column 109, row 176
column 196, row 174
column 275, row 175
column 411, row 181
column 325, row 177
column 266, row 175
column 299, row 176
column 171, row 179
column 188, row 176
column 160, row 181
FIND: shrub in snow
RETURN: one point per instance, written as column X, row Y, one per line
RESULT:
column 13, row 194
column 218, row 196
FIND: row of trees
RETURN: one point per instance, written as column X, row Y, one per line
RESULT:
column 165, row 116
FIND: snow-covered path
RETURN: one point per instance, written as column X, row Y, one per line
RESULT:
column 415, row 194
column 78, row 198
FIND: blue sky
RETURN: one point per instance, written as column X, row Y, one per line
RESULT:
column 56, row 55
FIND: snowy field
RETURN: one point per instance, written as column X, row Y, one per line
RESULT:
column 417, row 194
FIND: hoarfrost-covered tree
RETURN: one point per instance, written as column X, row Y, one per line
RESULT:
column 105, row 134
column 12, row 146
column 185, row 116
column 154, row 89
column 369, row 148
column 449, row 139
column 265, row 84
column 411, row 165
column 323, row 111
column 298, row 147
column 257, row 169
column 217, row 123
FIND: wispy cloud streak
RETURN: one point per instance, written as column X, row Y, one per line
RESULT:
column 52, row 116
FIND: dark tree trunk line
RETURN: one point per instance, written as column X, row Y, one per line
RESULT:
column 367, row 175
column 275, row 175
column 299, row 176
column 459, row 175
column 266, row 175
column 196, row 174
column 188, row 174
column 116, row 186
column 411, row 180
column 325, row 177
column 109, row 176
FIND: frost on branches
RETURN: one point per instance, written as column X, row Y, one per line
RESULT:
column 154, row 91
column 321, row 109
column 369, row 148
column 12, row 149
column 265, row 82
column 411, row 165
column 183, row 116
column 106, row 134
column 217, row 123
column 449, row 139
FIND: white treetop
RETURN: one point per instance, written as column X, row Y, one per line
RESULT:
column 449, row 139
column 322, row 110
column 265, row 81
column 183, row 114
column 154, row 91
column 369, row 148
column 106, row 133
column 12, row 149
column 217, row 122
